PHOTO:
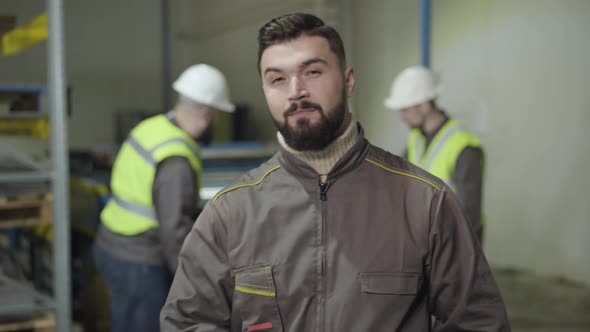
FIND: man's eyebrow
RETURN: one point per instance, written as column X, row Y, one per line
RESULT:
column 314, row 60
column 272, row 69
column 303, row 65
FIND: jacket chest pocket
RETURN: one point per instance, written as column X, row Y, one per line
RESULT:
column 383, row 293
column 255, row 298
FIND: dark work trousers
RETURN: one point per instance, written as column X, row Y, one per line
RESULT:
column 137, row 291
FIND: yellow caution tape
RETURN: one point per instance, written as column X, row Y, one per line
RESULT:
column 18, row 39
column 27, row 127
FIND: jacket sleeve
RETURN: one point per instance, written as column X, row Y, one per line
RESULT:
column 468, row 179
column 463, row 294
column 175, row 197
column 200, row 297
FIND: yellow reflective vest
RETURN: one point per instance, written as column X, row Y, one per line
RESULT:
column 130, row 211
column 441, row 155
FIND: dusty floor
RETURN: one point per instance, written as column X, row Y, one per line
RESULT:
column 540, row 304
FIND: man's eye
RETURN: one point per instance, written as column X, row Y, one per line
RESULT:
column 313, row 73
column 277, row 80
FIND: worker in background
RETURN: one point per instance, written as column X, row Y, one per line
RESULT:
column 332, row 233
column 438, row 143
column 155, row 194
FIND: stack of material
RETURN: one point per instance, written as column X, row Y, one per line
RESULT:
column 22, row 203
column 21, row 305
column 17, row 167
column 41, row 323
column 25, row 211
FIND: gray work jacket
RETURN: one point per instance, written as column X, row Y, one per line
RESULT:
column 380, row 246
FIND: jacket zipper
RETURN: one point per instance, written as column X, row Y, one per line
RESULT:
column 323, row 198
column 321, row 287
column 323, row 191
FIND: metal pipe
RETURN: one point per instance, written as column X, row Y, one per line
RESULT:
column 166, row 56
column 59, row 148
column 425, row 7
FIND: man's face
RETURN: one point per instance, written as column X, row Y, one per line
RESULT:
column 414, row 116
column 209, row 117
column 199, row 121
column 306, row 91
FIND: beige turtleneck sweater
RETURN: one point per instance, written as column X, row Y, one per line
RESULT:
column 324, row 160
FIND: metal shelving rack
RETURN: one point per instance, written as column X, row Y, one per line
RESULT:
column 35, row 175
column 19, row 298
column 58, row 176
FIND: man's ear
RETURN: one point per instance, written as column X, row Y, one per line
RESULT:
column 349, row 81
column 421, row 108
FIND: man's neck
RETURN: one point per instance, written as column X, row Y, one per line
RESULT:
column 324, row 160
column 171, row 115
column 178, row 116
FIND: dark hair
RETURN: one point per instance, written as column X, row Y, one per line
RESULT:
column 291, row 26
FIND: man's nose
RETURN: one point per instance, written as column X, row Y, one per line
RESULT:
column 297, row 89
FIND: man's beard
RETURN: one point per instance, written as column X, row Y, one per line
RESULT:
column 207, row 136
column 305, row 137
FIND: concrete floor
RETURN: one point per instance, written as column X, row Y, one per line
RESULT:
column 538, row 304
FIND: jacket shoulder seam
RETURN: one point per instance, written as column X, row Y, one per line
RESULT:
column 245, row 185
column 404, row 173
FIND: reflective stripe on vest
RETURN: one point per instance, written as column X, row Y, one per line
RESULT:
column 434, row 149
column 141, row 151
column 131, row 211
column 139, row 209
column 441, row 155
column 173, row 140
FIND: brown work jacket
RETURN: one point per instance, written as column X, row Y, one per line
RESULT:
column 380, row 246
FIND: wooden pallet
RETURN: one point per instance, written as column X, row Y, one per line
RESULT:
column 44, row 323
column 25, row 211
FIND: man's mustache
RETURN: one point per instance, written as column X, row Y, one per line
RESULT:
column 302, row 104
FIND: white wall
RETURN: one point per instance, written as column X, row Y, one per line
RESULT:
column 224, row 35
column 114, row 63
column 385, row 40
column 517, row 73
column 523, row 70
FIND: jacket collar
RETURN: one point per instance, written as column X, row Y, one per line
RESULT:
column 349, row 161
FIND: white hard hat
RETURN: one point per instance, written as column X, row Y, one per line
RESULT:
column 414, row 85
column 206, row 85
